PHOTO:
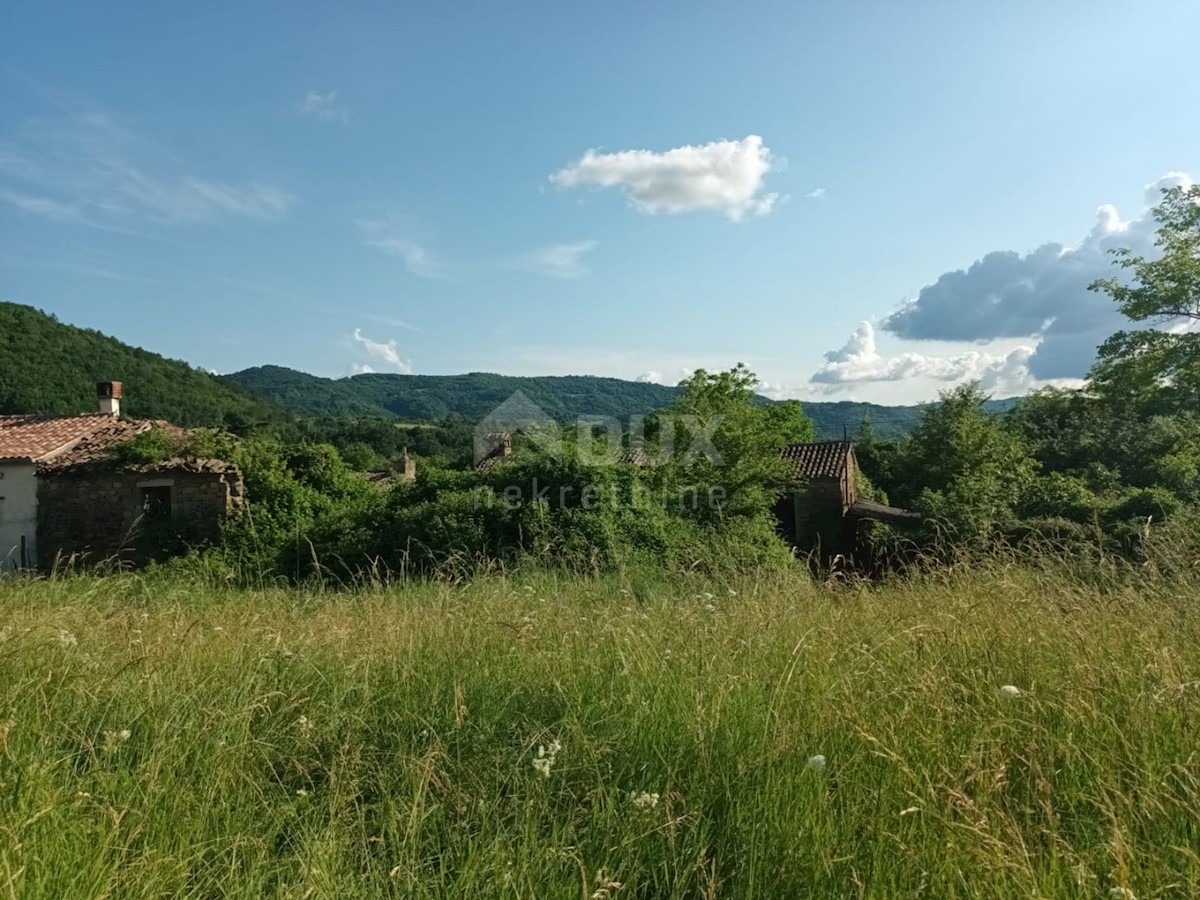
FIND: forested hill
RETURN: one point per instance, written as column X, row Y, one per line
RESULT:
column 51, row 368
column 48, row 367
column 425, row 398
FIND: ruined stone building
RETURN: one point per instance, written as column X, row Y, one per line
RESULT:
column 63, row 494
column 821, row 507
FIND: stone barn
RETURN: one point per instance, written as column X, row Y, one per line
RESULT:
column 821, row 508
column 73, row 498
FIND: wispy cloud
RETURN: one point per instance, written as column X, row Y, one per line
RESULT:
column 386, row 352
column 726, row 176
column 385, row 237
column 816, row 194
column 559, row 260
column 41, row 206
column 323, row 106
column 78, row 165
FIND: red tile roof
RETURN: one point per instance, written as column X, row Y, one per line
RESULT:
column 35, row 437
column 824, row 459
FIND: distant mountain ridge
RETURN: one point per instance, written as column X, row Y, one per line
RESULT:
column 428, row 398
column 48, row 367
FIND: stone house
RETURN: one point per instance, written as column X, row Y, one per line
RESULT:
column 62, row 493
column 822, row 507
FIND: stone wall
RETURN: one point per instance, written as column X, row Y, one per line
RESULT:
column 100, row 514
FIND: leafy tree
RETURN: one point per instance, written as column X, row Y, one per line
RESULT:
column 1152, row 369
column 724, row 444
column 962, row 466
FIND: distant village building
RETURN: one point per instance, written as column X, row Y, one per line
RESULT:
column 63, row 494
column 496, row 446
column 822, row 508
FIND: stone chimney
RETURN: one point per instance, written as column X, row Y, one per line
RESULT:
column 109, row 394
column 406, row 467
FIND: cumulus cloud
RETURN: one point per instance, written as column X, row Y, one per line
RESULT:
column 1039, row 295
column 726, row 176
column 651, row 377
column 323, row 106
column 387, row 352
column 859, row 362
column 360, row 369
column 559, row 260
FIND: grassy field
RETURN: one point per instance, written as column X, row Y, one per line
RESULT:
column 999, row 732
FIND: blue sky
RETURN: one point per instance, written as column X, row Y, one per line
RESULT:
column 623, row 189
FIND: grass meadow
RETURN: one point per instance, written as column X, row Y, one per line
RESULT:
column 544, row 736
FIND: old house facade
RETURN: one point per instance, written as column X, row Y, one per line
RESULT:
column 65, row 495
column 822, row 508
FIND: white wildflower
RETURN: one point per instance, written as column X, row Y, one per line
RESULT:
column 643, row 800
column 114, row 739
column 305, row 724
column 66, row 638
column 1121, row 893
column 1009, row 691
column 546, row 757
column 302, row 793
column 817, row 763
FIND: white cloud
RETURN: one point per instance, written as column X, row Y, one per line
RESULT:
column 192, row 199
column 726, row 176
column 816, row 194
column 651, row 377
column 41, row 206
column 1041, row 295
column 383, row 236
column 859, row 362
column 323, row 106
column 559, row 260
column 360, row 369
column 109, row 176
column 387, row 352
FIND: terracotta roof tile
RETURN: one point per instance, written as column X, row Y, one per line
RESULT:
column 35, row 437
column 823, row 459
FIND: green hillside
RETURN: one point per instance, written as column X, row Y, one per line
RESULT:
column 51, row 368
column 425, row 398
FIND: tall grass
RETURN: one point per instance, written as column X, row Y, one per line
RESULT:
column 160, row 737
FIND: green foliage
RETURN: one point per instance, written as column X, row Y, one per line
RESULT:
column 153, row 446
column 1154, row 370
column 49, row 368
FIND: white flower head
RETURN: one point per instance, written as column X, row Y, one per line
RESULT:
column 1121, row 893
column 114, row 739
column 643, row 800
column 1009, row 691
column 305, row 724
column 817, row 763
column 66, row 638
column 546, row 757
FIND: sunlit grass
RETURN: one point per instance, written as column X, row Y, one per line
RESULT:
column 542, row 736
